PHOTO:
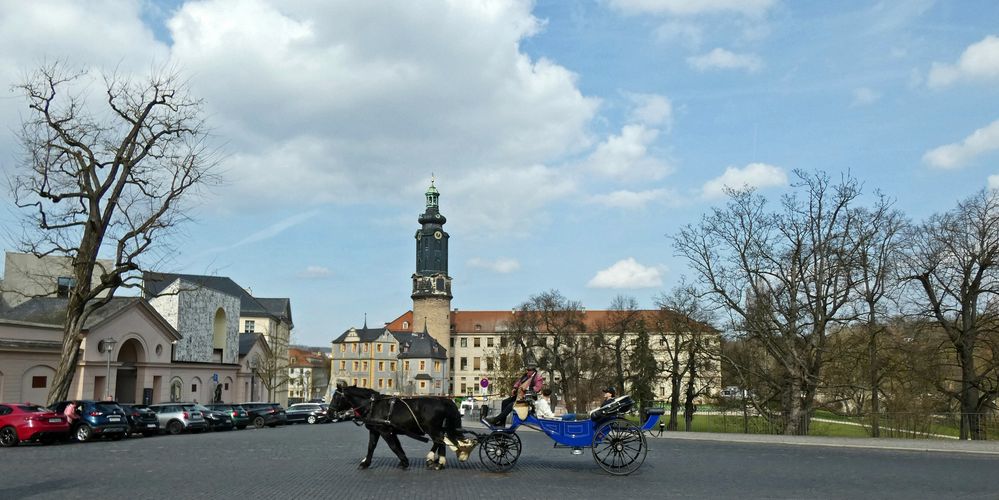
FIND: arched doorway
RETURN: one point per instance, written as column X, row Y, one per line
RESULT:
column 126, row 386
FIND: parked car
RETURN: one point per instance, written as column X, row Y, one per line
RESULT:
column 95, row 419
column 216, row 420
column 240, row 419
column 269, row 414
column 141, row 420
column 22, row 422
column 175, row 418
column 312, row 413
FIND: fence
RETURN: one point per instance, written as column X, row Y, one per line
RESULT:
column 821, row 423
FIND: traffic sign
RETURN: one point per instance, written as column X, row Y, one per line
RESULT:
column 215, row 377
column 484, row 382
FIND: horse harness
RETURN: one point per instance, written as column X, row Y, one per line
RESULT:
column 385, row 422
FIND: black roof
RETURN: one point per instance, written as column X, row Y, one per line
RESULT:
column 364, row 334
column 419, row 345
column 51, row 311
column 247, row 341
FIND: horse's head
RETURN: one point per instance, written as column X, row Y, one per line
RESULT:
column 350, row 397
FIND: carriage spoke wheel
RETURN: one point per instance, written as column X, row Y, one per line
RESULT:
column 499, row 451
column 619, row 447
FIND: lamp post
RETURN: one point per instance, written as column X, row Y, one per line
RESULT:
column 107, row 345
column 253, row 380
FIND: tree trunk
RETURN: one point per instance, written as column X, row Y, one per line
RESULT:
column 69, row 356
column 875, row 377
column 971, row 419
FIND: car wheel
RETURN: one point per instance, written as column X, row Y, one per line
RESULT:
column 84, row 433
column 175, row 427
column 258, row 422
column 8, row 437
column 311, row 419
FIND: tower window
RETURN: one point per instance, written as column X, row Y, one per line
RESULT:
column 63, row 285
column 249, row 325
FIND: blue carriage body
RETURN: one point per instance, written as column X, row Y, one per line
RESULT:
column 574, row 433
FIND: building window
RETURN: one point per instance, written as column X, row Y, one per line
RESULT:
column 405, row 325
column 364, row 382
column 364, row 347
column 355, row 382
column 354, row 366
column 353, row 347
column 437, row 366
column 489, row 342
column 63, row 285
column 478, row 328
column 343, row 365
column 405, row 366
column 464, row 387
column 391, row 347
column 381, row 366
column 464, row 342
column 452, row 342
column 392, row 365
column 225, row 386
column 477, row 342
column 423, row 365
column 423, row 384
column 249, row 326
column 463, row 363
column 343, row 347
column 378, row 347
column 381, row 383
column 194, row 388
column 489, row 364
column 502, row 341
column 39, row 382
column 476, row 363
column 364, row 365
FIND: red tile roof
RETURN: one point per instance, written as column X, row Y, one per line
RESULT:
column 488, row 321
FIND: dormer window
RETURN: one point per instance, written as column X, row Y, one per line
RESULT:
column 405, row 325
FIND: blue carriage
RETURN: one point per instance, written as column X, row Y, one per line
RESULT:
column 617, row 444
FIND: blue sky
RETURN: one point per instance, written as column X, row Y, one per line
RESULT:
column 568, row 139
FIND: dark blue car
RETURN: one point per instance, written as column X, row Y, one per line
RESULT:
column 95, row 419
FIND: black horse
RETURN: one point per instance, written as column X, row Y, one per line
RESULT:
column 390, row 416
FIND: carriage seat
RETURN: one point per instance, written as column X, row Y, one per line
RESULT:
column 617, row 406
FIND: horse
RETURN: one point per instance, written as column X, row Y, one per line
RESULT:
column 389, row 416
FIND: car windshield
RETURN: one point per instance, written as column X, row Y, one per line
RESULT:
column 107, row 407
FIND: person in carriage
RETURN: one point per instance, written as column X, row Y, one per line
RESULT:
column 531, row 381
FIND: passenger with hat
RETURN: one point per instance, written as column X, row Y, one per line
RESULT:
column 531, row 380
column 609, row 395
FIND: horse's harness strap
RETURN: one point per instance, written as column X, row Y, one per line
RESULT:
column 387, row 421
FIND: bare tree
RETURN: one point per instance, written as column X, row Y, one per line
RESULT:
column 955, row 262
column 612, row 336
column 109, row 182
column 784, row 276
column 551, row 327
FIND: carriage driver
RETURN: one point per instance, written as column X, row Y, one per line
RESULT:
column 531, row 380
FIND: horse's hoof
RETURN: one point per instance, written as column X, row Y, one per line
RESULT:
column 430, row 463
column 403, row 465
column 438, row 467
column 364, row 464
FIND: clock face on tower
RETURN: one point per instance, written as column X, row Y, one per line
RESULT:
column 438, row 234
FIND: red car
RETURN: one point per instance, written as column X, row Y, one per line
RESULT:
column 28, row 422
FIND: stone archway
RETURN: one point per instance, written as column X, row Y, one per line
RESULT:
column 126, row 387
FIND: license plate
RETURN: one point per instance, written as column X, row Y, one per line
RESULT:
column 55, row 420
column 114, row 419
column 150, row 425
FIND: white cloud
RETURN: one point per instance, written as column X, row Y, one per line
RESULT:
column 330, row 109
column 755, row 175
column 693, row 7
column 994, row 182
column 314, row 272
column 864, row 96
column 720, row 58
column 631, row 199
column 979, row 62
column 628, row 273
column 626, row 156
column 501, row 265
column 652, row 109
column 959, row 154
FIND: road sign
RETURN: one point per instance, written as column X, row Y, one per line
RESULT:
column 484, row 382
column 215, row 377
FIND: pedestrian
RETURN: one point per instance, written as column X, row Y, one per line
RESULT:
column 70, row 412
column 531, row 380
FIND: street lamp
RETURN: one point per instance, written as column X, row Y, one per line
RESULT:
column 107, row 345
column 253, row 380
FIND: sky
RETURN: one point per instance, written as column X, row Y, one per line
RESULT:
column 568, row 140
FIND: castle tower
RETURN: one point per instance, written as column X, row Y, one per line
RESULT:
column 431, row 284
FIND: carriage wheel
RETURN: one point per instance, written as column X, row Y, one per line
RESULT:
column 619, row 447
column 499, row 451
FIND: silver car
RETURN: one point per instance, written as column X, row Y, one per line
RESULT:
column 179, row 417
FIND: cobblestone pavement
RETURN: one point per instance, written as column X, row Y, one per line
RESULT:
column 320, row 461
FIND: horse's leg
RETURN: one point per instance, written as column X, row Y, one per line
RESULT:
column 372, row 442
column 437, row 447
column 393, row 442
column 431, row 457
